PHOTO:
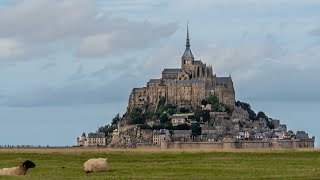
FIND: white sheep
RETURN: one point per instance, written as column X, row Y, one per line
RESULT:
column 96, row 165
column 20, row 170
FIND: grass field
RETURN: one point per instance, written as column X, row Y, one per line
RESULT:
column 152, row 164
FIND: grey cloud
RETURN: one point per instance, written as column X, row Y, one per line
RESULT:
column 48, row 66
column 280, row 84
column 45, row 20
column 42, row 24
column 315, row 32
column 111, row 83
column 78, row 93
column 10, row 48
column 124, row 36
column 78, row 75
column 167, row 56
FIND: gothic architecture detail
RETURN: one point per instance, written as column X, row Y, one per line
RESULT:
column 185, row 86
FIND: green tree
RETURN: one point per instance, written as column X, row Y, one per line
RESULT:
column 270, row 124
column 204, row 114
column 145, row 126
column 168, row 125
column 247, row 107
column 171, row 111
column 115, row 120
column 164, row 118
column 107, row 129
column 196, row 129
column 158, row 126
column 182, row 127
column 262, row 115
column 204, row 102
column 213, row 100
column 136, row 116
column 184, row 110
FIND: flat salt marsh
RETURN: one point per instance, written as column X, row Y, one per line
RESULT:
column 157, row 164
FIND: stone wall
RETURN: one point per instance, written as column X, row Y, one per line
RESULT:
column 307, row 143
column 147, row 146
column 191, row 145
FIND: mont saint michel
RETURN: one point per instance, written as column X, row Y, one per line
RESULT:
column 192, row 108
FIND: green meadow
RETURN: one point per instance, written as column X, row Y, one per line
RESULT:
column 156, row 164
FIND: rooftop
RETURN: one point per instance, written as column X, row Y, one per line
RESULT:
column 96, row 135
column 222, row 80
column 171, row 71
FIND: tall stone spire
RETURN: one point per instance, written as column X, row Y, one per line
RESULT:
column 188, row 40
column 187, row 52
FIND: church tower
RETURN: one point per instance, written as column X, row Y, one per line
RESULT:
column 187, row 58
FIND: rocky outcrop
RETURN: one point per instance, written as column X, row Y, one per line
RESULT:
column 129, row 137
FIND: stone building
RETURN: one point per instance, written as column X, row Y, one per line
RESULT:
column 185, row 86
column 81, row 140
column 160, row 135
column 177, row 119
column 92, row 140
column 182, row 135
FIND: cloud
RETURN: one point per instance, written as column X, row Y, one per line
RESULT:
column 168, row 56
column 95, row 45
column 206, row 3
column 78, row 25
column 45, row 20
column 129, row 5
column 281, row 84
column 11, row 49
column 76, row 93
column 124, row 37
column 110, row 83
column 315, row 32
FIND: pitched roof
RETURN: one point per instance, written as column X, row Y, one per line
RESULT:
column 171, row 71
column 182, row 131
column 197, row 62
column 301, row 135
column 222, row 80
column 154, row 80
column 96, row 135
column 160, row 132
column 187, row 54
column 190, row 81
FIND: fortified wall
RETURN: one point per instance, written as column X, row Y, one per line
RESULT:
column 231, row 144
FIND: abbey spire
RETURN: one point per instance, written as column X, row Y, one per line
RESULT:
column 188, row 40
column 187, row 57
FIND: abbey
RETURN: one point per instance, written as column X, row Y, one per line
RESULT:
column 185, row 86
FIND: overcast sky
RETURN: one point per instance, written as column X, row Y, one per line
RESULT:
column 68, row 66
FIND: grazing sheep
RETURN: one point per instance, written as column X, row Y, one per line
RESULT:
column 20, row 170
column 96, row 165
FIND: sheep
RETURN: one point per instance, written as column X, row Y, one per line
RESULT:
column 96, row 165
column 20, row 170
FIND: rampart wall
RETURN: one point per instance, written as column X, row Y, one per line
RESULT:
column 276, row 144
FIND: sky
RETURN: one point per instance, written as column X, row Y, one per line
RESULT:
column 68, row 66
